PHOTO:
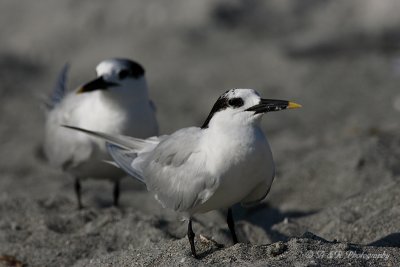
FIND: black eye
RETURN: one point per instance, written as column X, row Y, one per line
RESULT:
column 123, row 74
column 236, row 102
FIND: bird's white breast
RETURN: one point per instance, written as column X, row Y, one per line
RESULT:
column 242, row 160
column 93, row 111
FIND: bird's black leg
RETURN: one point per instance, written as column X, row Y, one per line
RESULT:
column 77, row 187
column 116, row 193
column 231, row 225
column 191, row 235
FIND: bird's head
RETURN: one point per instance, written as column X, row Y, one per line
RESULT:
column 117, row 76
column 243, row 106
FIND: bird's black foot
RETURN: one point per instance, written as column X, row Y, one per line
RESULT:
column 77, row 187
column 191, row 235
column 116, row 194
column 231, row 225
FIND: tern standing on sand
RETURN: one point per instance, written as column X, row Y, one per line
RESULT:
column 116, row 102
column 196, row 170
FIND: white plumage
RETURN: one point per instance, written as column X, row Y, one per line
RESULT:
column 117, row 102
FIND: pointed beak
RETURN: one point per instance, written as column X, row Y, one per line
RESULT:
column 97, row 84
column 268, row 105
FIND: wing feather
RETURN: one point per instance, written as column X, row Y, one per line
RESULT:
column 124, row 159
column 172, row 167
column 60, row 89
column 122, row 141
column 176, row 171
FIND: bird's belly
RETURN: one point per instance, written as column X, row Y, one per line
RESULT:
column 93, row 165
column 242, row 163
column 235, row 186
column 81, row 155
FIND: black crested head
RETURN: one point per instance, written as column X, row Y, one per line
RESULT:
column 132, row 68
column 222, row 103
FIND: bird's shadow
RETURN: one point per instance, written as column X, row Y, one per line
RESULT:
column 391, row 240
column 265, row 216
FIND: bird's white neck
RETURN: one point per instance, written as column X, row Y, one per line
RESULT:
column 125, row 97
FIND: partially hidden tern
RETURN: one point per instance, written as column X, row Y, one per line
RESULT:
column 116, row 102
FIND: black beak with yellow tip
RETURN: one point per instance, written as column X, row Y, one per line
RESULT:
column 97, row 84
column 268, row 105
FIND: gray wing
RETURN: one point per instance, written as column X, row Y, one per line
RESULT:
column 60, row 89
column 173, row 167
column 131, row 159
column 176, row 171
column 124, row 158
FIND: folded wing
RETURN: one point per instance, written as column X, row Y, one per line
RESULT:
column 172, row 167
column 176, row 171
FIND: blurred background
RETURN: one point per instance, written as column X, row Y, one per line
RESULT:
column 340, row 59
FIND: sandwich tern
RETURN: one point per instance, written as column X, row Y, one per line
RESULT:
column 198, row 169
column 116, row 102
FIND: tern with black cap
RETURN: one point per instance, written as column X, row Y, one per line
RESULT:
column 198, row 169
column 116, row 102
